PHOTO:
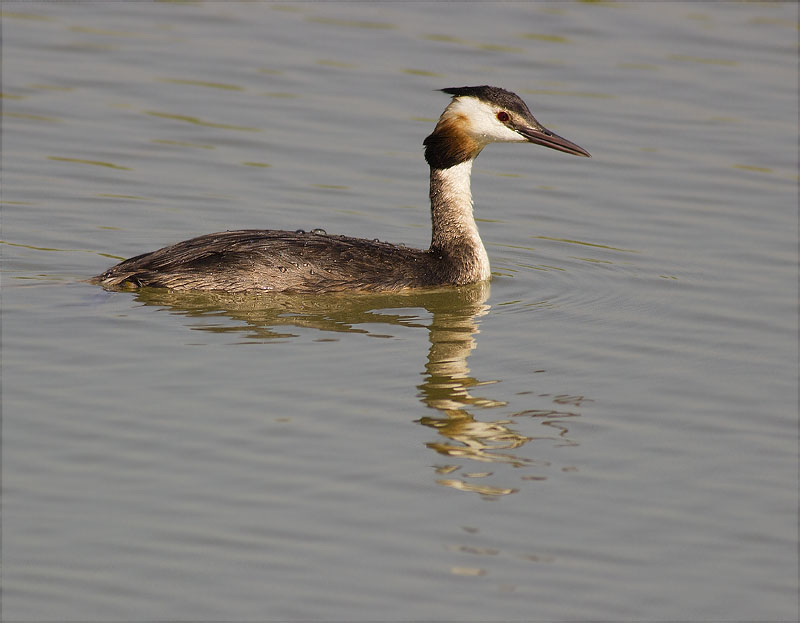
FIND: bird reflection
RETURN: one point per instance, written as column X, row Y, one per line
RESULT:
column 447, row 390
column 466, row 439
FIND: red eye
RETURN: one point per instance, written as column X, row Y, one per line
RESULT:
column 503, row 116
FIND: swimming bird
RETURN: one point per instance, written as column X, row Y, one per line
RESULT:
column 316, row 262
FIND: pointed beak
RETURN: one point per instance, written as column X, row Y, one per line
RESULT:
column 542, row 136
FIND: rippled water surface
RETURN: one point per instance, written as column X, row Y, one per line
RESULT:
column 607, row 431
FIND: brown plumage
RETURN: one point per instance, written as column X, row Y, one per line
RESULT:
column 253, row 259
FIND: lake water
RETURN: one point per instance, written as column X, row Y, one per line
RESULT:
column 607, row 431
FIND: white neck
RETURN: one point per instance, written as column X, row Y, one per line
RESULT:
column 454, row 228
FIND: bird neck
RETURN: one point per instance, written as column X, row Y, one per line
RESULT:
column 455, row 234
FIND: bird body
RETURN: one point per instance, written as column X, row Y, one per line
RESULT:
column 315, row 262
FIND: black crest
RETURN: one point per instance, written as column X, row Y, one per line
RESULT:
column 493, row 95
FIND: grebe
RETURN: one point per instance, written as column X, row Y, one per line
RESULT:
column 315, row 262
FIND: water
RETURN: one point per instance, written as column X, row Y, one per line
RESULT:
column 607, row 432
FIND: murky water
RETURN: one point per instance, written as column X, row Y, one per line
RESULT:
column 608, row 431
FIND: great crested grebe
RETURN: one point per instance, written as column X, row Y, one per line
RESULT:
column 315, row 262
